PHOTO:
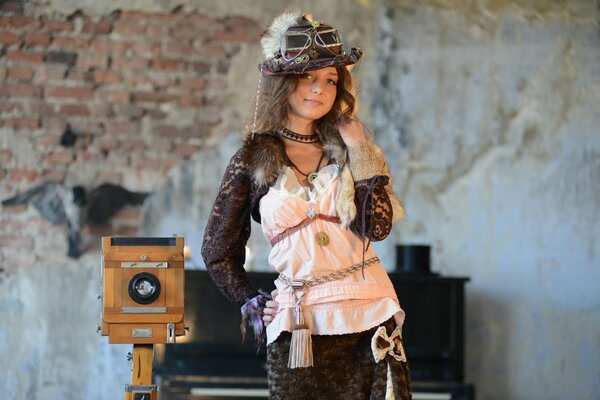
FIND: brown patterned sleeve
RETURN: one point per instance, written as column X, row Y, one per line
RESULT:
column 374, row 210
column 227, row 232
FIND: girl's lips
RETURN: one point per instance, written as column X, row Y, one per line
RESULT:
column 313, row 102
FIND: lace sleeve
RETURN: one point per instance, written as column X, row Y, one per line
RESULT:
column 227, row 232
column 374, row 218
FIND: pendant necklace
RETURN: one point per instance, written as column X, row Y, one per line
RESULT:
column 296, row 137
column 310, row 177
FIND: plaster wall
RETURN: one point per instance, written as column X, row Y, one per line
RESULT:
column 488, row 115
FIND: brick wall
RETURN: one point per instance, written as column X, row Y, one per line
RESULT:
column 141, row 91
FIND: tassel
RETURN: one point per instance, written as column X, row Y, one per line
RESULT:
column 301, row 354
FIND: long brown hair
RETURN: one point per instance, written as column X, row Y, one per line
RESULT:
column 273, row 106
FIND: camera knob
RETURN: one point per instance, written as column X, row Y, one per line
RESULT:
column 143, row 257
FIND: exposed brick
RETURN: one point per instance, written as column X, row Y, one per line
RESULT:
column 163, row 145
column 53, row 174
column 110, row 46
column 201, row 67
column 157, row 30
column 80, row 77
column 161, row 79
column 21, row 123
column 167, row 64
column 39, row 108
column 109, row 176
column 23, row 22
column 25, row 56
column 49, row 140
column 107, row 143
column 121, row 127
column 212, row 51
column 146, row 49
column 129, row 62
column 133, row 16
column 132, row 145
column 70, row 43
column 7, row 105
column 235, row 35
column 101, row 110
column 60, row 157
column 186, row 150
column 68, row 92
column 37, row 40
column 188, row 100
column 105, row 77
column 12, row 240
column 74, row 109
column 187, row 30
column 49, row 72
column 5, row 156
column 10, row 226
column 61, row 57
column 58, row 26
column 2, row 74
column 128, row 110
column 152, row 97
column 119, row 96
column 195, row 84
column 20, row 89
column 179, row 48
column 93, row 60
column 20, row 73
column 97, row 28
column 86, row 156
column 7, row 38
column 12, row 6
column 126, row 28
column 22, row 174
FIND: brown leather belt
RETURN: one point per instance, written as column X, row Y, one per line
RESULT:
column 305, row 222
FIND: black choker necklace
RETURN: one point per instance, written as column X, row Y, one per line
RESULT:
column 296, row 137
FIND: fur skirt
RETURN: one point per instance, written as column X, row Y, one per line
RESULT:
column 344, row 368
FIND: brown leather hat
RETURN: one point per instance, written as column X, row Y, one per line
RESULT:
column 294, row 43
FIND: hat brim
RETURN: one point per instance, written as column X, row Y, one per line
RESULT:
column 276, row 67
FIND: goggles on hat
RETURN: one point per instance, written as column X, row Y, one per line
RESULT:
column 301, row 40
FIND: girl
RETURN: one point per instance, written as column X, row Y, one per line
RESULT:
column 321, row 191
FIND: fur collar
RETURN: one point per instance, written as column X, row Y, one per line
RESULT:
column 265, row 156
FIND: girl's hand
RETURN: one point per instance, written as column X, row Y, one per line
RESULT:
column 271, row 307
column 352, row 132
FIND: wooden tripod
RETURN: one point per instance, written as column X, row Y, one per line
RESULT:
column 141, row 387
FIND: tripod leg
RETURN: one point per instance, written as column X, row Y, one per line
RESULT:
column 141, row 387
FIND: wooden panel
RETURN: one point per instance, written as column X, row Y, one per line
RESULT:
column 174, row 289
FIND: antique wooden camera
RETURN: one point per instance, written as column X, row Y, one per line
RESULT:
column 142, row 289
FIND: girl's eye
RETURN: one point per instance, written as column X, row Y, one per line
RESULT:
column 307, row 76
column 332, row 82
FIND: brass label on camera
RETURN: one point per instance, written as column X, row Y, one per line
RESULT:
column 141, row 332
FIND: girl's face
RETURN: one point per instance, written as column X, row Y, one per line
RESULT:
column 313, row 97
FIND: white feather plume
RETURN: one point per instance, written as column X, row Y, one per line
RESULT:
column 274, row 39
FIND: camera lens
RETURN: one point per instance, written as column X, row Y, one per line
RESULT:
column 144, row 288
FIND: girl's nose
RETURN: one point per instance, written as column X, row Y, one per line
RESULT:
column 317, row 86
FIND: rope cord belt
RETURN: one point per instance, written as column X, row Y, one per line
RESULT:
column 304, row 223
column 301, row 354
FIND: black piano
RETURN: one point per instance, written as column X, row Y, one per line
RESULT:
column 211, row 362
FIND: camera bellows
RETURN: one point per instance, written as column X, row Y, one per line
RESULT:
column 301, row 354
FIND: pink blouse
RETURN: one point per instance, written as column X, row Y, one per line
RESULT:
column 349, row 305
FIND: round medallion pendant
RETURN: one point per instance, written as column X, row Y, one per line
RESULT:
column 311, row 177
column 322, row 238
